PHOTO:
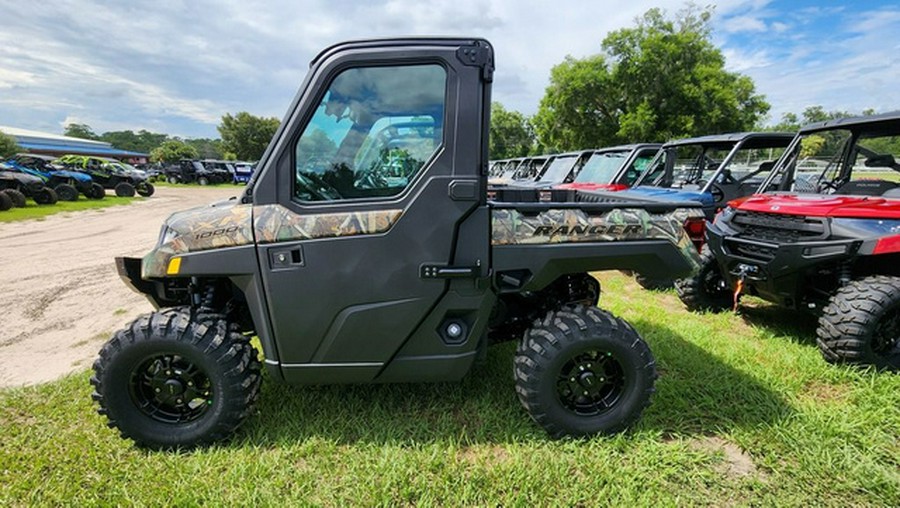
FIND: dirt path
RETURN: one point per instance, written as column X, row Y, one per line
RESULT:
column 61, row 297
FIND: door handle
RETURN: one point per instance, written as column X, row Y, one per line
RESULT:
column 448, row 272
column 286, row 258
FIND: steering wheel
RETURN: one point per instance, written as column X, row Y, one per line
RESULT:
column 718, row 194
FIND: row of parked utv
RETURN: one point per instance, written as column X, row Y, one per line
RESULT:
column 46, row 179
column 810, row 221
column 204, row 172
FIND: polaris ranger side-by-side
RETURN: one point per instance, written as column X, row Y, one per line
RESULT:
column 350, row 275
column 822, row 235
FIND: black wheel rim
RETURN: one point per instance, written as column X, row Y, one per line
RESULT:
column 591, row 383
column 886, row 339
column 171, row 389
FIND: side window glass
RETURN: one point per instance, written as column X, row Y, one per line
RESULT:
column 373, row 132
column 638, row 166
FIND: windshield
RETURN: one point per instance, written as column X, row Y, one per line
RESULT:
column 559, row 169
column 602, row 167
column 831, row 161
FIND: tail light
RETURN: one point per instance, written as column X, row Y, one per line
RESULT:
column 887, row 245
column 695, row 227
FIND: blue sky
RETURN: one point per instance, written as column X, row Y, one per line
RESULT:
column 176, row 66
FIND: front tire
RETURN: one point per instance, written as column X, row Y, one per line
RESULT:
column 170, row 380
column 706, row 290
column 861, row 324
column 582, row 371
column 203, row 181
column 5, row 202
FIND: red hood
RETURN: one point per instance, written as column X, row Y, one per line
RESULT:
column 588, row 186
column 864, row 207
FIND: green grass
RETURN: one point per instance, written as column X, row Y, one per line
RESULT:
column 746, row 412
column 35, row 211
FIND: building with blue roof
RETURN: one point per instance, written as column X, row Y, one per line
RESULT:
column 56, row 145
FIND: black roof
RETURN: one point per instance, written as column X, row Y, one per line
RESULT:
column 730, row 139
column 851, row 121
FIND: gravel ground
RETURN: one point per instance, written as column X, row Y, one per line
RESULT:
column 59, row 292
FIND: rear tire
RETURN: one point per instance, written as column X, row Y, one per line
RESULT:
column 861, row 324
column 706, row 289
column 18, row 199
column 5, row 202
column 66, row 192
column 146, row 190
column 171, row 380
column 125, row 190
column 45, row 196
column 582, row 371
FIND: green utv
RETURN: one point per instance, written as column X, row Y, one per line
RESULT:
column 350, row 271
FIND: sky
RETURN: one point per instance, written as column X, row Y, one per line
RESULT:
column 176, row 66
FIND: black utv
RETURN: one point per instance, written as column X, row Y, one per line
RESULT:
column 192, row 171
column 374, row 259
column 18, row 186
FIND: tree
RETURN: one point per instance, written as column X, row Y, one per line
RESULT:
column 143, row 141
column 172, row 151
column 79, row 130
column 245, row 135
column 660, row 80
column 8, row 145
column 208, row 148
column 511, row 134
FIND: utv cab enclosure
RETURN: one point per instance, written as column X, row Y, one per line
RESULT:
column 349, row 275
column 822, row 235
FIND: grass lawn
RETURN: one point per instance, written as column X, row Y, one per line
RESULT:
column 35, row 211
column 746, row 412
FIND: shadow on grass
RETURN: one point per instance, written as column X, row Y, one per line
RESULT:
column 793, row 324
column 697, row 393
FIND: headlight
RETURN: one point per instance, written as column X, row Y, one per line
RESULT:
column 166, row 235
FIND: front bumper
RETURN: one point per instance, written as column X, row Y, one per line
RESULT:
column 777, row 272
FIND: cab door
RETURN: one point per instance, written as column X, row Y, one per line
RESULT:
column 374, row 181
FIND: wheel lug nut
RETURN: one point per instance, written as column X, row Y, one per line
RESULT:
column 157, row 390
column 190, row 383
column 178, row 401
column 585, row 392
column 573, row 379
column 168, row 372
column 581, row 367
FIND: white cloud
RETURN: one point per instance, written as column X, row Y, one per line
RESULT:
column 739, row 24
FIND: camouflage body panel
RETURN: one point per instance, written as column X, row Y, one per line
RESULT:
column 512, row 227
column 234, row 225
column 199, row 229
column 275, row 223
